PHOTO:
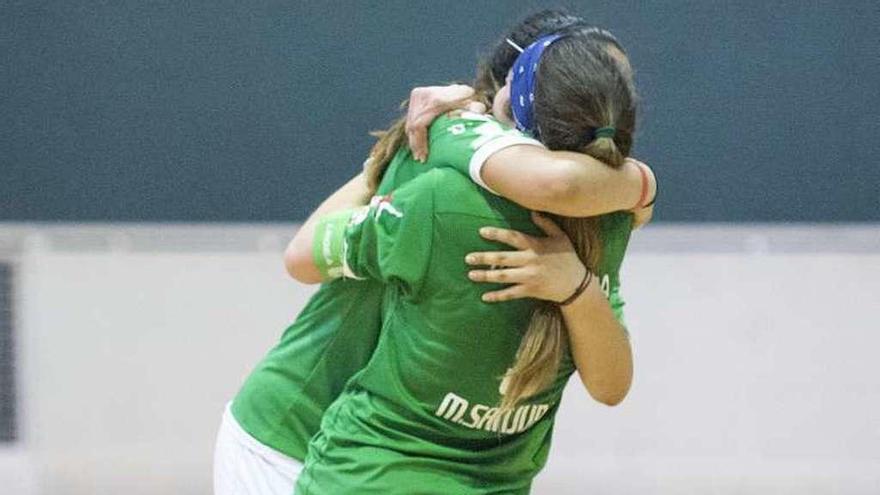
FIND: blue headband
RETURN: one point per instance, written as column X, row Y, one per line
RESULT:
column 522, row 87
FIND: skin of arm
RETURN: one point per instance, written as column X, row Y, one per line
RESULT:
column 563, row 182
column 548, row 268
column 599, row 346
column 298, row 256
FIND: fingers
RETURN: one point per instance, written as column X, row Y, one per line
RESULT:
column 547, row 225
column 476, row 107
column 510, row 237
column 503, row 276
column 499, row 258
column 421, row 111
column 508, row 294
column 425, row 104
column 418, row 142
column 456, row 92
column 417, row 124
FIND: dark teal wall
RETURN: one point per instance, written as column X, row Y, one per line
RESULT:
column 254, row 111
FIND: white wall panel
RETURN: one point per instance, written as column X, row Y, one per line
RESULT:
column 756, row 360
column 755, row 373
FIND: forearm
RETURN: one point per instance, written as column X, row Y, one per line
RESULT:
column 593, row 188
column 565, row 183
column 600, row 346
column 298, row 255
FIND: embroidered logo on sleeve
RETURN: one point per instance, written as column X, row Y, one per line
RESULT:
column 382, row 204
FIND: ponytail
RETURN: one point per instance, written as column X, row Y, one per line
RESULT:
column 604, row 147
column 585, row 102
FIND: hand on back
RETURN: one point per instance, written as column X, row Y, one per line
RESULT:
column 426, row 104
column 542, row 267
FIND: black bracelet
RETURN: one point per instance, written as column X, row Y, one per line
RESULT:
column 588, row 277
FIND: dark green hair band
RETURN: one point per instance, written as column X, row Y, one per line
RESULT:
column 604, row 132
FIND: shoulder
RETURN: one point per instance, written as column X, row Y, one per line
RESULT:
column 615, row 231
column 430, row 179
column 615, row 228
column 423, row 189
column 618, row 221
column 461, row 117
column 462, row 124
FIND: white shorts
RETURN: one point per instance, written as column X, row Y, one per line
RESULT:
column 244, row 466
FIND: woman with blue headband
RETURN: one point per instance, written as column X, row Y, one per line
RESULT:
column 280, row 405
column 460, row 396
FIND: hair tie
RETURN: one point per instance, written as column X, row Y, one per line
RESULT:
column 604, row 132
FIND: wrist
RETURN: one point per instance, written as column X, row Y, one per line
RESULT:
column 328, row 252
column 584, row 282
column 647, row 185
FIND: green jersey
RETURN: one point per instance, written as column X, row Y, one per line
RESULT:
column 422, row 415
column 282, row 400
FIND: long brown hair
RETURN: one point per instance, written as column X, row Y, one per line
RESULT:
column 583, row 84
column 491, row 72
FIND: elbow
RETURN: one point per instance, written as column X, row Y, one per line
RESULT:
column 299, row 264
column 609, row 391
column 611, row 398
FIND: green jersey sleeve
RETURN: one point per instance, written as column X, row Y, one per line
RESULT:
column 466, row 140
column 389, row 240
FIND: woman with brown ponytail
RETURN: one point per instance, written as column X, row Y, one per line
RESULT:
column 459, row 396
